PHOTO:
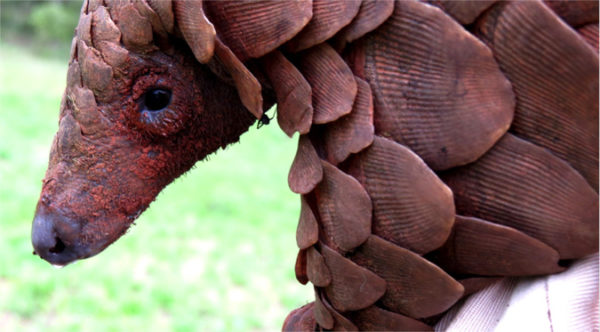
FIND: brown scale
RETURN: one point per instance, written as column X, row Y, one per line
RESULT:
column 384, row 94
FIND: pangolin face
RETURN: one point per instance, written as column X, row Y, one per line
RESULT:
column 133, row 118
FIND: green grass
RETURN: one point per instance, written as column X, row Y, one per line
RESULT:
column 215, row 252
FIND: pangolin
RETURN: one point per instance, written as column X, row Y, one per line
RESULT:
column 443, row 145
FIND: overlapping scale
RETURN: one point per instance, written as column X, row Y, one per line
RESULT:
column 136, row 30
column 254, row 28
column 198, row 32
column 294, row 95
column 307, row 232
column 104, row 29
column 306, row 170
column 374, row 318
column 437, row 89
column 463, row 11
column 83, row 32
column 164, row 10
column 114, row 55
column 322, row 314
column 475, row 284
column 301, row 319
column 328, row 17
column 412, row 207
column 478, row 247
column 415, row 286
column 353, row 132
column 523, row 186
column 352, row 287
column 555, row 78
column 144, row 9
column 589, row 32
column 575, row 12
column 300, row 267
column 316, row 270
column 91, row 5
column 344, row 208
column 95, row 73
column 247, row 85
column 372, row 13
column 341, row 323
column 332, row 82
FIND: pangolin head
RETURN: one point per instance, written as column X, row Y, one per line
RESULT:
column 139, row 110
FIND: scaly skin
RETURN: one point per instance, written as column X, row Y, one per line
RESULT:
column 417, row 187
column 109, row 160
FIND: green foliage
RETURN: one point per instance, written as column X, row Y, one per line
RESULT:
column 53, row 21
column 46, row 27
column 215, row 252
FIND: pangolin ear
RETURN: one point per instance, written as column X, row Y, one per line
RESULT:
column 198, row 32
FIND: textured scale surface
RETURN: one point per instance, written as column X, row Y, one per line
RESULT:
column 443, row 146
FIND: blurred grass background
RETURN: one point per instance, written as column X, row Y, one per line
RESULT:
column 215, row 252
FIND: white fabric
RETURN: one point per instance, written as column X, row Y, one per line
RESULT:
column 567, row 301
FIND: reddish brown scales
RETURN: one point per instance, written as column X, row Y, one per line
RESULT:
column 411, row 205
column 575, row 12
column 306, row 169
column 158, row 28
column 329, row 16
column 464, row 12
column 95, row 73
column 437, row 89
column 307, row 233
column 90, row 123
column 332, row 82
column 521, row 185
column 372, row 14
column 300, row 267
column 344, row 209
column 246, row 84
column 374, row 318
column 415, row 287
column 475, row 284
column 589, row 32
column 136, row 30
column 104, row 28
column 199, row 33
column 294, row 94
column 478, row 247
column 83, row 31
column 164, row 10
column 341, row 323
column 353, row 132
column 322, row 314
column 254, row 28
column 555, row 78
column 316, row 269
column 301, row 319
column 352, row 287
column 113, row 54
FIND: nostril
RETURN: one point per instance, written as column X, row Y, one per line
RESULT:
column 59, row 246
column 54, row 238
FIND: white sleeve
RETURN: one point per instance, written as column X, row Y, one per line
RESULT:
column 566, row 301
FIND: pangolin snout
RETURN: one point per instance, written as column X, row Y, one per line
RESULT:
column 54, row 238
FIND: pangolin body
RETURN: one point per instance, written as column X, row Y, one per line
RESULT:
column 443, row 145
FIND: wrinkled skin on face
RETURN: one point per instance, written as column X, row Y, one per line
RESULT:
column 133, row 118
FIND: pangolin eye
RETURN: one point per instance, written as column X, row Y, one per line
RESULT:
column 157, row 99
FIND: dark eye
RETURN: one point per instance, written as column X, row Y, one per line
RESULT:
column 157, row 99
